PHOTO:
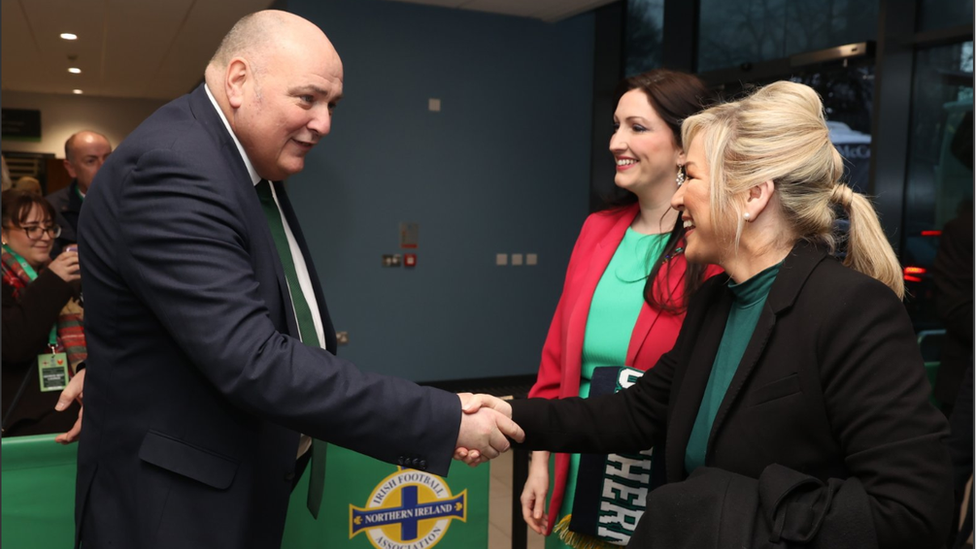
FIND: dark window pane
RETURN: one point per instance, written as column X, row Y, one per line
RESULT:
column 645, row 19
column 748, row 31
column 938, row 14
column 940, row 166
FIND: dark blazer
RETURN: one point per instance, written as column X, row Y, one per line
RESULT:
column 67, row 206
column 197, row 386
column 830, row 386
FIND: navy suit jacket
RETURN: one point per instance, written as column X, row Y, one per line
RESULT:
column 197, row 385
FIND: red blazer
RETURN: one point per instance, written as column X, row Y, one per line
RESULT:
column 654, row 333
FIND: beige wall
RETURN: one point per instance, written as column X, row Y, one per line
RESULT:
column 63, row 115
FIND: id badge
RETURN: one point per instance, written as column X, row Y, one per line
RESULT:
column 53, row 371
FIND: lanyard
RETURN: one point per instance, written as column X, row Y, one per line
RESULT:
column 32, row 275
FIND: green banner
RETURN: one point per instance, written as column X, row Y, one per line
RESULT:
column 367, row 503
column 37, row 487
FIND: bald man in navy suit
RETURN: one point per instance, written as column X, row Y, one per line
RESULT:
column 211, row 352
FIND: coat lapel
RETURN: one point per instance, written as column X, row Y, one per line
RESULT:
column 691, row 387
column 576, row 333
column 648, row 315
column 794, row 272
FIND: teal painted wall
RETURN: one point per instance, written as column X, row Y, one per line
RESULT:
column 502, row 168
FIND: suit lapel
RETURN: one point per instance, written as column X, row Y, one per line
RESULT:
column 296, row 231
column 206, row 115
column 271, row 251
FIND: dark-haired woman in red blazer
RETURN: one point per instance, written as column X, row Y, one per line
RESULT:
column 625, row 290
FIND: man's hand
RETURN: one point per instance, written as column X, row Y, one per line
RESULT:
column 74, row 391
column 490, row 407
column 485, row 424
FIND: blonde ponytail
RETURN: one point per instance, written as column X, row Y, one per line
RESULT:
column 868, row 249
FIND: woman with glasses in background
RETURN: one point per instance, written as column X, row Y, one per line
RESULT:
column 43, row 337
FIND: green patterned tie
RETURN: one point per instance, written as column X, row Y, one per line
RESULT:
column 306, row 326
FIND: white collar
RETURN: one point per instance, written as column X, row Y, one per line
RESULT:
column 255, row 178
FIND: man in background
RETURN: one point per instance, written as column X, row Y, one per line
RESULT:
column 84, row 154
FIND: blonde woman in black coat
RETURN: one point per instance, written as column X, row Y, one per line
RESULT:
column 794, row 403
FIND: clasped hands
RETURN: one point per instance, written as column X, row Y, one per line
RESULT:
column 486, row 427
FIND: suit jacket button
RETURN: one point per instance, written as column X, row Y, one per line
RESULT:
column 289, row 476
column 401, row 461
column 423, row 465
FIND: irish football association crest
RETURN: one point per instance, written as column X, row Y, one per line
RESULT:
column 408, row 510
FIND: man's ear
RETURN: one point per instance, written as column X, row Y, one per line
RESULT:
column 70, row 168
column 237, row 76
column 758, row 199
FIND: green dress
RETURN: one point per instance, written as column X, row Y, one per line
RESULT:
column 614, row 308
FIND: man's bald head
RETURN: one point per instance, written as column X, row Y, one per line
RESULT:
column 259, row 34
column 84, row 154
column 276, row 78
column 79, row 138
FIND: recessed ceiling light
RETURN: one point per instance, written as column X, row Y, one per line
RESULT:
column 74, row 70
column 76, row 91
column 69, row 36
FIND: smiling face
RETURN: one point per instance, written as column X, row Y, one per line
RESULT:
column 285, row 102
column 705, row 241
column 643, row 145
column 36, row 252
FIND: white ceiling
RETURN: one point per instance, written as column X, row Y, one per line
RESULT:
column 156, row 49
column 546, row 10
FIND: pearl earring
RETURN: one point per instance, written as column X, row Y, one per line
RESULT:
column 746, row 216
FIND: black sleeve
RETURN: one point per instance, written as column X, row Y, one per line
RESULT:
column 629, row 420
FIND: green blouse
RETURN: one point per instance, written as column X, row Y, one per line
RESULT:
column 747, row 305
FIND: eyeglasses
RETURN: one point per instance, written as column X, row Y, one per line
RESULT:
column 34, row 232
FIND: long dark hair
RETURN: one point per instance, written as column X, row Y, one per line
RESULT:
column 674, row 96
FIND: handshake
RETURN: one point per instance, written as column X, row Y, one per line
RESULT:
column 486, row 427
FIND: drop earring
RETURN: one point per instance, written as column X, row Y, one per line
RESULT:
column 680, row 178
